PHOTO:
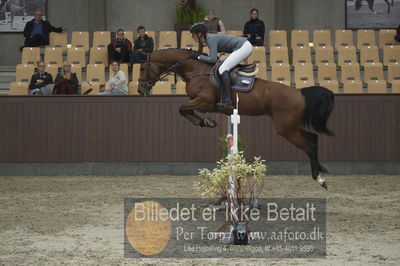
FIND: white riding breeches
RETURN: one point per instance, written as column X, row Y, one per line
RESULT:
column 236, row 57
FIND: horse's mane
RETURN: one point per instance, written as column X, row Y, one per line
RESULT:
column 172, row 49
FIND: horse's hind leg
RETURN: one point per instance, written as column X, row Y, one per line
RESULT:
column 308, row 142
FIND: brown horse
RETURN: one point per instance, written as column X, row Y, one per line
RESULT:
column 294, row 112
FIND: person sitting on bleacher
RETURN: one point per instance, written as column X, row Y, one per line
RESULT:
column 397, row 36
column 37, row 31
column 41, row 82
column 142, row 46
column 66, row 82
column 118, row 83
column 120, row 48
column 213, row 23
column 254, row 29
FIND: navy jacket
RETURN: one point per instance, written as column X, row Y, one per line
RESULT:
column 254, row 28
column 47, row 28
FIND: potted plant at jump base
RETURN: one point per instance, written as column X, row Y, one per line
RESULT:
column 241, row 182
column 187, row 13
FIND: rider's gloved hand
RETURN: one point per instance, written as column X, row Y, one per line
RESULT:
column 195, row 55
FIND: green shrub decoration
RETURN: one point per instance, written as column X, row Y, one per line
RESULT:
column 249, row 178
column 189, row 12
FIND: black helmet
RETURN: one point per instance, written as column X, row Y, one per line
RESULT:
column 199, row 27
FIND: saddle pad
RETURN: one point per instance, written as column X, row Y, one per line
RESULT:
column 242, row 83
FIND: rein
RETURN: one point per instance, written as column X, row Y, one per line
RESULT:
column 150, row 83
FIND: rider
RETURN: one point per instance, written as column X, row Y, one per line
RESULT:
column 239, row 47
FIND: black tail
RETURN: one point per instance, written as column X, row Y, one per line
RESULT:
column 319, row 105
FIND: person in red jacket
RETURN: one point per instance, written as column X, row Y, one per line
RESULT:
column 120, row 48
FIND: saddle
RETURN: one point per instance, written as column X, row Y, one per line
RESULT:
column 242, row 76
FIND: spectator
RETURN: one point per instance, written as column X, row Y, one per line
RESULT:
column 120, row 48
column 66, row 82
column 142, row 46
column 213, row 23
column 254, row 29
column 41, row 82
column 397, row 37
column 117, row 84
column 37, row 31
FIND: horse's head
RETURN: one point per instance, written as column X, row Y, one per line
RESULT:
column 149, row 75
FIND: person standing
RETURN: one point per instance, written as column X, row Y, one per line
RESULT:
column 254, row 29
column 213, row 23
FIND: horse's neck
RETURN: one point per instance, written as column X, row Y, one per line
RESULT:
column 186, row 68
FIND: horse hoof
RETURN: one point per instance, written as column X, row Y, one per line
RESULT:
column 208, row 123
column 322, row 182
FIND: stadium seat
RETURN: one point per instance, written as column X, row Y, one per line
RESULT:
column 95, row 86
column 332, row 85
column 130, row 36
column 281, row 73
column 30, row 55
column 133, row 88
column 161, row 88
column 262, row 71
column 24, row 72
column 206, row 50
column 123, row 68
column 77, row 69
column 170, row 79
column 322, row 38
column 53, row 70
column 135, row 72
column 258, row 56
column 187, row 41
column 59, row 40
column 323, row 55
column 80, row 39
column 180, row 88
column 279, row 55
column 343, row 38
column 277, row 38
column 95, row 73
column 19, row 88
column 98, row 55
column 53, row 56
column 101, row 38
column 234, row 32
column 301, row 54
column 373, row 71
column 76, row 56
column 350, row 72
column 365, row 38
column 386, row 38
column 303, row 75
column 396, row 86
column 393, row 72
column 300, row 38
column 327, row 72
column 352, row 86
column 346, row 55
column 377, row 86
column 167, row 40
column 391, row 54
column 369, row 54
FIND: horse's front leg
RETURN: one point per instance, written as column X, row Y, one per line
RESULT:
column 187, row 111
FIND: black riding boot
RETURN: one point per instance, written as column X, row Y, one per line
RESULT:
column 226, row 85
